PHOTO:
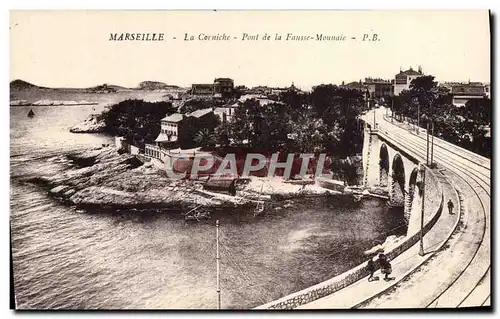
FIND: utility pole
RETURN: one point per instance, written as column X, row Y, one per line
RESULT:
column 421, row 251
column 374, row 118
column 218, row 261
column 367, row 100
column 392, row 109
column 418, row 118
column 427, row 153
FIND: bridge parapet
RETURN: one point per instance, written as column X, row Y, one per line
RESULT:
column 433, row 210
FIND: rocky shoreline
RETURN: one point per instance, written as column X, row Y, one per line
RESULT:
column 50, row 103
column 102, row 178
column 93, row 124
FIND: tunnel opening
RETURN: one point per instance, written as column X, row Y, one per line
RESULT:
column 384, row 165
column 398, row 182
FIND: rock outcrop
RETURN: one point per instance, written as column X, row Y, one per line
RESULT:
column 93, row 124
column 102, row 178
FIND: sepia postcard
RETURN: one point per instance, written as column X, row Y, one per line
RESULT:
column 254, row 160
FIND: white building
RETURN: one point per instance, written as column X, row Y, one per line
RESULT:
column 170, row 128
column 465, row 92
column 403, row 79
column 226, row 112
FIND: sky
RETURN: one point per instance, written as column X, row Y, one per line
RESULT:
column 72, row 48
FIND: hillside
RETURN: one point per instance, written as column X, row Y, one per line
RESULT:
column 17, row 85
column 20, row 85
column 154, row 85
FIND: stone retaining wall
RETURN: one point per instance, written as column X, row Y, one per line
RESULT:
column 432, row 204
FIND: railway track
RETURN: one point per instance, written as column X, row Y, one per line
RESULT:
column 471, row 174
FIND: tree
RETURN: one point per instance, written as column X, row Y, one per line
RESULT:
column 298, row 102
column 136, row 120
column 238, row 91
column 195, row 104
column 339, row 110
column 244, row 122
column 423, row 93
column 463, row 126
column 478, row 110
column 205, row 138
column 222, row 134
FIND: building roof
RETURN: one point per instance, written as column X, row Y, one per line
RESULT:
column 164, row 138
column 410, row 71
column 477, row 90
column 355, row 86
column 203, row 85
column 200, row 113
column 220, row 109
column 174, row 118
column 376, row 81
column 223, row 79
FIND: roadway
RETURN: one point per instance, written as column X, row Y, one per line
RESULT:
column 456, row 269
column 459, row 276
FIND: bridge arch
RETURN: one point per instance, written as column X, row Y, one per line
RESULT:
column 397, row 193
column 384, row 165
column 412, row 188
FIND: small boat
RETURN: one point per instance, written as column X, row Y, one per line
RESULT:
column 331, row 184
column 31, row 113
column 197, row 214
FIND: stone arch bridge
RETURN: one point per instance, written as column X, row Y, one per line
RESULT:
column 387, row 167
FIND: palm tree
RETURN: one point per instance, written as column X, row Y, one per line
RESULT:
column 205, row 138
